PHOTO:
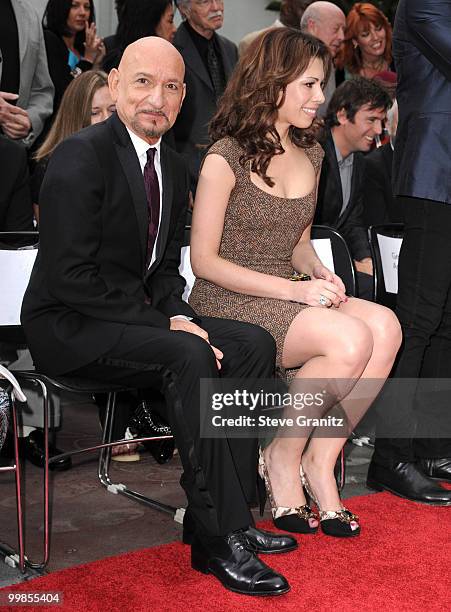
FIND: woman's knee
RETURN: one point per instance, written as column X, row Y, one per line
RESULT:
column 353, row 345
column 386, row 329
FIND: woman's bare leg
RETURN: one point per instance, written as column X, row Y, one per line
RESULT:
column 331, row 345
column 320, row 457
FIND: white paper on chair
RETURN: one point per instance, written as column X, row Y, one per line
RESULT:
column 323, row 248
column 389, row 248
column 15, row 270
column 186, row 271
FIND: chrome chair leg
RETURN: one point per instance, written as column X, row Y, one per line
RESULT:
column 46, row 411
column 18, row 474
column 105, row 453
column 104, row 464
column 11, row 557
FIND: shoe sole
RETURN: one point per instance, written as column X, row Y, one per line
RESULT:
column 448, row 480
column 277, row 551
column 343, row 535
column 268, row 594
column 375, row 486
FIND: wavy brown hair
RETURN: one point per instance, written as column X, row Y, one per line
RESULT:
column 359, row 18
column 248, row 109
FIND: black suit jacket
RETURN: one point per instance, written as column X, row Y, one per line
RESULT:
column 422, row 52
column 90, row 278
column 330, row 200
column 199, row 106
column 379, row 204
column 16, row 211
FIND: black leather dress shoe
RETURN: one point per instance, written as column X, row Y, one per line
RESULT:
column 406, row 480
column 32, row 448
column 269, row 543
column 145, row 423
column 437, row 469
column 261, row 542
column 235, row 566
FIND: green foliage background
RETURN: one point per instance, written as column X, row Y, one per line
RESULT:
column 386, row 6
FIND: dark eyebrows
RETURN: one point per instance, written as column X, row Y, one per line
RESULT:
column 147, row 75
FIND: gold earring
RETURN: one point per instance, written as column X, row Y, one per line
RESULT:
column 355, row 44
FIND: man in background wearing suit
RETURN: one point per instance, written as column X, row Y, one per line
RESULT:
column 26, row 90
column 409, row 467
column 105, row 302
column 354, row 117
column 209, row 60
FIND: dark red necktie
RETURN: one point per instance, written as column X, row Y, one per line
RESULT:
column 153, row 201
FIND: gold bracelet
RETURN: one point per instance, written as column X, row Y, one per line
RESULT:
column 299, row 276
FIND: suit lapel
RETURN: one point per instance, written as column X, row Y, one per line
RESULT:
column 337, row 201
column 23, row 34
column 191, row 56
column 355, row 178
column 226, row 59
column 130, row 164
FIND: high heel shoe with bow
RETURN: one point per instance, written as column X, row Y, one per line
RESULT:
column 337, row 523
column 296, row 520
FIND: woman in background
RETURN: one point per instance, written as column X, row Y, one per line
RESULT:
column 71, row 42
column 137, row 19
column 252, row 216
column 366, row 50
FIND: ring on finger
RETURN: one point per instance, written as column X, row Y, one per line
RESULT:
column 323, row 300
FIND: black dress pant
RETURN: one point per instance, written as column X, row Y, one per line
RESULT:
column 424, row 311
column 219, row 475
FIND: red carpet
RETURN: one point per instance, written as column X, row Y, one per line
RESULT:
column 400, row 563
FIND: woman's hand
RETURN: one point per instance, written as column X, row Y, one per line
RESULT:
column 94, row 46
column 319, row 292
column 320, row 271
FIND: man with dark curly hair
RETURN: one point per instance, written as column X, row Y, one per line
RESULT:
column 354, row 117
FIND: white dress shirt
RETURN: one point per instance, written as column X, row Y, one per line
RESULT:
column 141, row 148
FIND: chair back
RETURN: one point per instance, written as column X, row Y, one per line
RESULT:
column 18, row 252
column 185, row 264
column 326, row 240
column 385, row 243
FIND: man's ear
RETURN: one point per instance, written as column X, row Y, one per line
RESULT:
column 113, row 83
column 311, row 27
column 183, row 10
column 183, row 96
column 342, row 116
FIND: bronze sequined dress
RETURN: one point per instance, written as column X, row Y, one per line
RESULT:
column 260, row 233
